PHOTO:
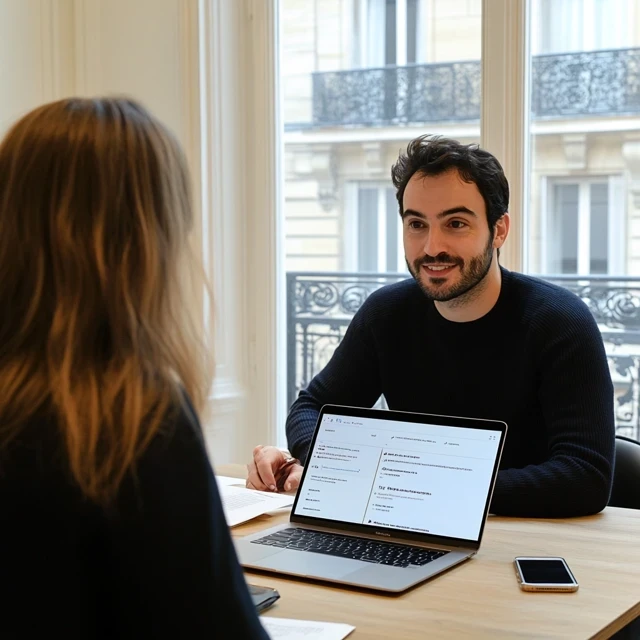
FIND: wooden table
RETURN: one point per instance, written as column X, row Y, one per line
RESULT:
column 481, row 598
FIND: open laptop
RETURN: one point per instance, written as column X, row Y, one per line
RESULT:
column 387, row 499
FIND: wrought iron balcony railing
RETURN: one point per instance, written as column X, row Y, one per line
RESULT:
column 594, row 83
column 321, row 305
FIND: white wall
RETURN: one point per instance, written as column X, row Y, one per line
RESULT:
column 164, row 53
column 34, row 67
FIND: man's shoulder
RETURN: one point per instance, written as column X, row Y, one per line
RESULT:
column 545, row 301
column 392, row 299
column 403, row 289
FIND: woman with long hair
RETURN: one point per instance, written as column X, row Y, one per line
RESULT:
column 110, row 519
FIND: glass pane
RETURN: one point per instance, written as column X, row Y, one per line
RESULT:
column 393, row 230
column 368, row 229
column 390, row 33
column 599, row 231
column 563, row 30
column 412, row 31
column 346, row 118
column 584, row 126
column 585, row 132
column 612, row 24
column 563, row 238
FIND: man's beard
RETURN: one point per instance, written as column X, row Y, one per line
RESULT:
column 470, row 276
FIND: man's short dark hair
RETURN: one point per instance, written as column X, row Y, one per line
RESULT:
column 433, row 155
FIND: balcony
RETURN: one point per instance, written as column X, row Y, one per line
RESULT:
column 593, row 83
column 321, row 305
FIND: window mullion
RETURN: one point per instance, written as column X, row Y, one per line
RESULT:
column 505, row 111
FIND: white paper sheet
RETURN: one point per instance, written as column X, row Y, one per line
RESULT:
column 225, row 481
column 242, row 504
column 307, row 629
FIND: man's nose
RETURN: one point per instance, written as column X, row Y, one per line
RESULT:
column 435, row 243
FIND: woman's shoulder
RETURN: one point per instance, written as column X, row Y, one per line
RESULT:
column 180, row 433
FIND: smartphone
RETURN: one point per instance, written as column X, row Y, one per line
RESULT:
column 544, row 574
column 263, row 597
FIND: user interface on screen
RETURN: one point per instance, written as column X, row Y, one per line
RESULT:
column 421, row 478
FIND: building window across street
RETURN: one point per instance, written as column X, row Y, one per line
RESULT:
column 582, row 228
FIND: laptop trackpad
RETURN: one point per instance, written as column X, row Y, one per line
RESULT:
column 310, row 564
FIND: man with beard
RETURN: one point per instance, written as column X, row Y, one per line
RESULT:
column 467, row 337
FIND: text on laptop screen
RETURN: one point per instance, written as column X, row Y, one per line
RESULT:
column 421, row 478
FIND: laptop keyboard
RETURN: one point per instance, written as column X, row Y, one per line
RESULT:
column 333, row 544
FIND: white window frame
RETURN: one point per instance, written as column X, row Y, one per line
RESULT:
column 504, row 120
column 262, row 324
column 616, row 257
column 240, row 96
column 226, row 76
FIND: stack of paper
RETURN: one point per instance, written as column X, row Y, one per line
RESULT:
column 284, row 628
column 241, row 504
column 226, row 481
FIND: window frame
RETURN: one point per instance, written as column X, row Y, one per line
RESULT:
column 616, row 256
column 367, row 34
column 504, row 132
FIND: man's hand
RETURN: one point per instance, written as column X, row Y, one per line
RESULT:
column 273, row 470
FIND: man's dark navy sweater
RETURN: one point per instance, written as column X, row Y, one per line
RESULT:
column 535, row 361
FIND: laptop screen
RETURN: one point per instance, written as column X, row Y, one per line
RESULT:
column 412, row 476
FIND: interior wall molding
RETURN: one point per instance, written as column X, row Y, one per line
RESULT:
column 222, row 187
column 197, row 91
column 51, row 16
column 87, row 47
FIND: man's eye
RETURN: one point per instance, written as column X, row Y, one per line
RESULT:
column 458, row 224
column 415, row 224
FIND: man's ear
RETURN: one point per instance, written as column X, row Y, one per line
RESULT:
column 501, row 231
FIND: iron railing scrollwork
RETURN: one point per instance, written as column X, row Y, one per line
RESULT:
column 398, row 95
column 320, row 307
column 605, row 82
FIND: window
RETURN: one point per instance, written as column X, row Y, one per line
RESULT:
column 582, row 227
column 335, row 134
column 344, row 125
column 583, row 150
column 359, row 79
column 580, row 25
column 584, row 164
column 386, row 33
column 375, row 232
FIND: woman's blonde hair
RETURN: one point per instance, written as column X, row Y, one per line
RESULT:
column 97, row 328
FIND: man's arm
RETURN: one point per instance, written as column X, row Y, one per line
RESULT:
column 352, row 378
column 576, row 394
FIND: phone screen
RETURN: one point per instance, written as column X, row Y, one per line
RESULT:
column 545, row 571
